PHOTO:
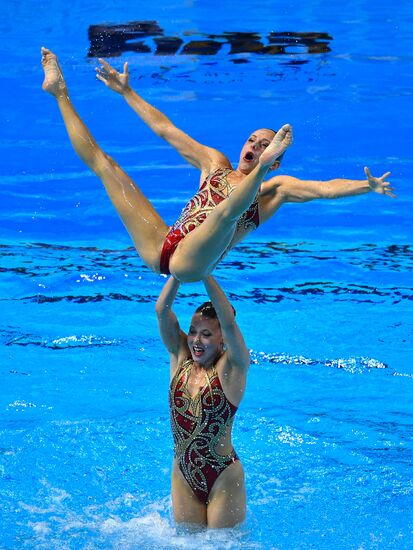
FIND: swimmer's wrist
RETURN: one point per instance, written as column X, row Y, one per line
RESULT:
column 372, row 186
column 127, row 90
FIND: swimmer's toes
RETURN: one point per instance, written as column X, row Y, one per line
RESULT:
column 286, row 128
column 47, row 55
column 286, row 133
column 53, row 79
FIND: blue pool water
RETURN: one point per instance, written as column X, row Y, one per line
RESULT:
column 323, row 292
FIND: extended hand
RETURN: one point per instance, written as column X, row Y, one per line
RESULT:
column 118, row 82
column 378, row 185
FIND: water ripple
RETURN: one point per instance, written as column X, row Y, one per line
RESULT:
column 101, row 268
column 40, row 259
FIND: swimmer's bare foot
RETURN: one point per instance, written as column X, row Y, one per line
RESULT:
column 54, row 82
column 282, row 140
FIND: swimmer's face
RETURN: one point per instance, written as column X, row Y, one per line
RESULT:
column 253, row 147
column 204, row 339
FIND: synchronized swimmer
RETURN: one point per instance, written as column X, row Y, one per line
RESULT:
column 208, row 368
column 209, row 364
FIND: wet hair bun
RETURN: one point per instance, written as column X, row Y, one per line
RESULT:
column 207, row 310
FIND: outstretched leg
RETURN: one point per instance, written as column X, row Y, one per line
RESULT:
column 143, row 223
column 201, row 249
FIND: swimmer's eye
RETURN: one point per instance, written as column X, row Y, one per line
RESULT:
column 262, row 144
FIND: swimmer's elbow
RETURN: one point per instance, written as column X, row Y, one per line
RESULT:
column 161, row 310
column 165, row 128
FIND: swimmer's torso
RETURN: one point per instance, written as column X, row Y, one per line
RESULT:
column 214, row 189
column 201, row 428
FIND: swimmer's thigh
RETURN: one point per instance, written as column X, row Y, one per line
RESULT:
column 227, row 505
column 187, row 507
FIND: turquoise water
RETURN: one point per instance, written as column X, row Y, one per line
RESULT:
column 323, row 292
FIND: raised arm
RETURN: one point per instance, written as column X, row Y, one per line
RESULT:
column 171, row 334
column 282, row 189
column 202, row 157
column 236, row 350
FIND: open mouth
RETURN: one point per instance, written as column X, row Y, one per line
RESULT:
column 198, row 351
column 249, row 156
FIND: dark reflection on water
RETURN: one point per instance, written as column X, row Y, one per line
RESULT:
column 143, row 37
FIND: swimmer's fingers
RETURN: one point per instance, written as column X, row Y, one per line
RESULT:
column 101, row 76
column 389, row 192
column 113, row 79
column 367, row 172
column 379, row 185
column 110, row 71
column 385, row 176
column 103, row 73
column 106, row 67
column 386, row 186
column 383, row 189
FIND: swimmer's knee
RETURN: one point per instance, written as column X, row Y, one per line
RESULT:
column 186, row 276
column 186, row 271
column 104, row 165
column 103, row 161
column 227, row 215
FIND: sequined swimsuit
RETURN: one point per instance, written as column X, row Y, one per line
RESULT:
column 213, row 190
column 198, row 424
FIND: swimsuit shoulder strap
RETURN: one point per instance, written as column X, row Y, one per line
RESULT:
column 214, row 375
column 182, row 369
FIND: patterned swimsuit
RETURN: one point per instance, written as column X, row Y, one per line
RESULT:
column 198, row 424
column 213, row 191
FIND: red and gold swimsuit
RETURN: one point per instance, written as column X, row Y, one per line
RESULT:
column 213, row 190
column 198, row 425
